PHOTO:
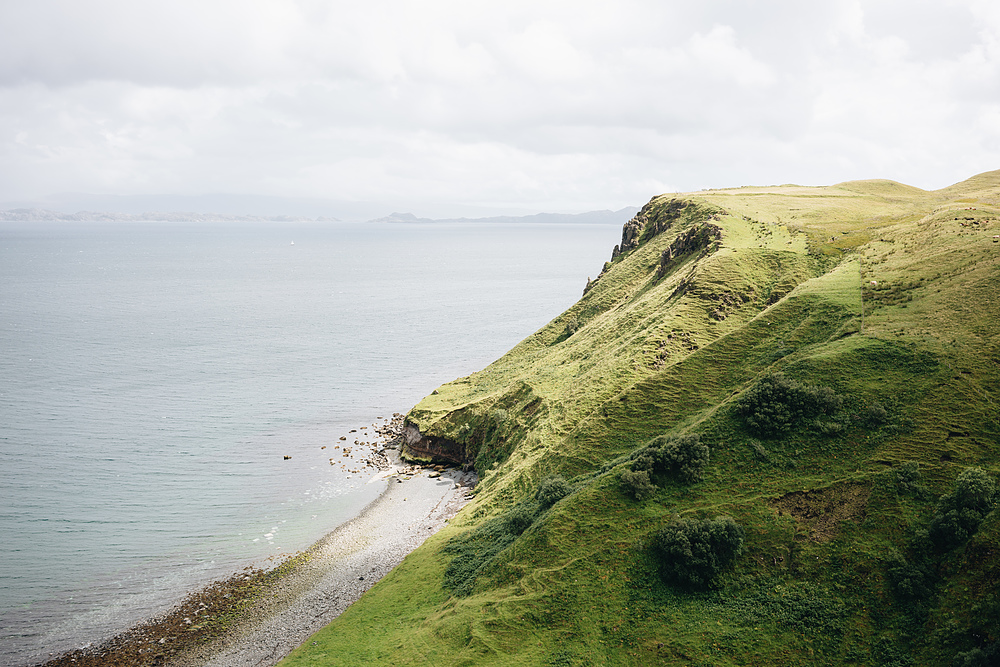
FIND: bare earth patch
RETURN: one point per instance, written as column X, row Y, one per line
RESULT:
column 818, row 513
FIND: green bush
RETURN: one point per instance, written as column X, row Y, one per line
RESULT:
column 679, row 457
column 637, row 484
column 887, row 653
column 519, row 518
column 910, row 480
column 960, row 512
column 873, row 415
column 979, row 657
column 911, row 583
column 683, row 457
column 693, row 552
column 551, row 491
column 473, row 551
column 777, row 403
column 477, row 548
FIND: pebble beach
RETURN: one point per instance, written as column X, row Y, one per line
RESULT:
column 342, row 566
column 318, row 586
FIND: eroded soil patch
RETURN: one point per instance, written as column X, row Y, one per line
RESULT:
column 818, row 513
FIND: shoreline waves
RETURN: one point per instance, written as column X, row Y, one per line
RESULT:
column 257, row 617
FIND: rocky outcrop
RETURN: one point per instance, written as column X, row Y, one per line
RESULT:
column 421, row 448
column 654, row 218
column 701, row 238
column 630, row 235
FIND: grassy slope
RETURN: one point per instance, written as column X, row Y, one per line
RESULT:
column 784, row 290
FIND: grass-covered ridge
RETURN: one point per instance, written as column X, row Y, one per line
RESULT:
column 835, row 349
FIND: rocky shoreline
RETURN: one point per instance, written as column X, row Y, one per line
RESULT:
column 258, row 616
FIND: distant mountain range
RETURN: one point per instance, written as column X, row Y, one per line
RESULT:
column 588, row 218
column 46, row 215
column 75, row 206
column 205, row 207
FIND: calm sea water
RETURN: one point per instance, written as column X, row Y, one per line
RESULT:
column 153, row 377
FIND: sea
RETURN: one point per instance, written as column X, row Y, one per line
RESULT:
column 155, row 376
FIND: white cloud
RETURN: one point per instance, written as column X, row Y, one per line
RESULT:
column 718, row 54
column 542, row 52
column 567, row 105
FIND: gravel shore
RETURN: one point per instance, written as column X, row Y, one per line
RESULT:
column 269, row 613
column 343, row 565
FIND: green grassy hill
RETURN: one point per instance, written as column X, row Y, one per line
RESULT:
column 835, row 351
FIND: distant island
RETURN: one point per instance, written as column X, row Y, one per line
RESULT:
column 46, row 215
column 605, row 217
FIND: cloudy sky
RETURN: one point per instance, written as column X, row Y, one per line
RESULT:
column 473, row 106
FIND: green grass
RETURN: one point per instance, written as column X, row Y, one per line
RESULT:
column 789, row 289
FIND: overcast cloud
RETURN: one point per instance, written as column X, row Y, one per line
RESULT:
column 556, row 106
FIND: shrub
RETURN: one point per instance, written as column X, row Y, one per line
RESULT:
column 975, row 490
column 519, row 518
column 910, row 480
column 979, row 657
column 693, row 552
column 960, row 512
column 638, row 484
column 683, row 457
column 473, row 551
column 572, row 325
column 910, row 582
column 551, row 491
column 873, row 416
column 887, row 653
column 477, row 548
column 777, row 403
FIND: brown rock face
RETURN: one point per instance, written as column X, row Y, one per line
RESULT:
column 654, row 218
column 427, row 448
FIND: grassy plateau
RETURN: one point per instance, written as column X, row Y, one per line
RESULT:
column 767, row 434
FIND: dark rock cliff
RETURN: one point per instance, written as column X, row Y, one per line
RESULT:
column 427, row 448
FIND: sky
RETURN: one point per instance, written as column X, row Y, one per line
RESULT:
column 465, row 106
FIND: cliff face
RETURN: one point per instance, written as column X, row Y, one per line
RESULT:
column 829, row 358
column 654, row 218
column 430, row 449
